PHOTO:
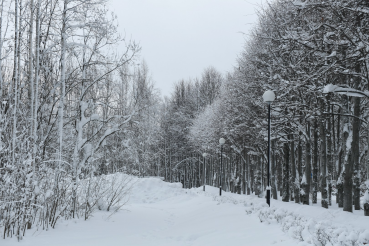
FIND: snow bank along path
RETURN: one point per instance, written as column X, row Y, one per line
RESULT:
column 161, row 213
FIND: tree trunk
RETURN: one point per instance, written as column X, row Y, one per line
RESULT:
column 170, row 165
column 273, row 168
column 239, row 170
column 185, row 179
column 244, row 172
column 15, row 79
column 348, row 184
column 366, row 208
column 298, row 171
column 248, row 162
column 348, row 168
column 315, row 163
column 1, row 55
column 286, row 178
column 329, row 156
column 35, row 95
column 366, row 200
column 280, row 176
column 31, row 91
column 323, row 162
column 252, row 174
column 262, row 182
column 308, row 166
column 293, row 167
column 339, row 184
column 257, row 174
column 356, row 151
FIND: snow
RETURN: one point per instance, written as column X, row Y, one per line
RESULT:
column 333, row 54
column 329, row 88
column 303, row 181
column 366, row 195
column 160, row 213
column 345, row 91
column 299, row 3
column 349, row 142
column 95, row 117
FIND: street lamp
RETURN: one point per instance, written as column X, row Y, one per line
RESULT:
column 268, row 97
column 204, row 169
column 221, row 142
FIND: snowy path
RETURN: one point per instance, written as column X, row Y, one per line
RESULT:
column 163, row 214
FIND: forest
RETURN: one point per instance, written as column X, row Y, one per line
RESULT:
column 73, row 110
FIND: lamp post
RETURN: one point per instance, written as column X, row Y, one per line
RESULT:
column 204, row 169
column 268, row 97
column 221, row 142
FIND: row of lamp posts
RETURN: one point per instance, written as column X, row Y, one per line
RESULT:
column 268, row 98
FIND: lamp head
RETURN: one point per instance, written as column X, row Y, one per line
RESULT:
column 221, row 141
column 268, row 96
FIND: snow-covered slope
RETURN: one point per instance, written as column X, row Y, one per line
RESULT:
column 151, row 190
column 160, row 213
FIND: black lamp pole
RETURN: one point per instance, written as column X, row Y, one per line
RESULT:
column 268, row 188
column 268, row 97
column 221, row 169
column 204, row 169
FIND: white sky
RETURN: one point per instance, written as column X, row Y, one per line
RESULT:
column 180, row 38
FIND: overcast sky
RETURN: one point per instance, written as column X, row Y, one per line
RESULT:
column 180, row 38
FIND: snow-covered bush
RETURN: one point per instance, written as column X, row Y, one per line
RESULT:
column 115, row 196
column 319, row 233
column 105, row 192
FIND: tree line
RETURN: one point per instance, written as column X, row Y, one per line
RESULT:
column 313, row 55
column 68, row 100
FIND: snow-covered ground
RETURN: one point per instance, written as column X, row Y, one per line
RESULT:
column 160, row 213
